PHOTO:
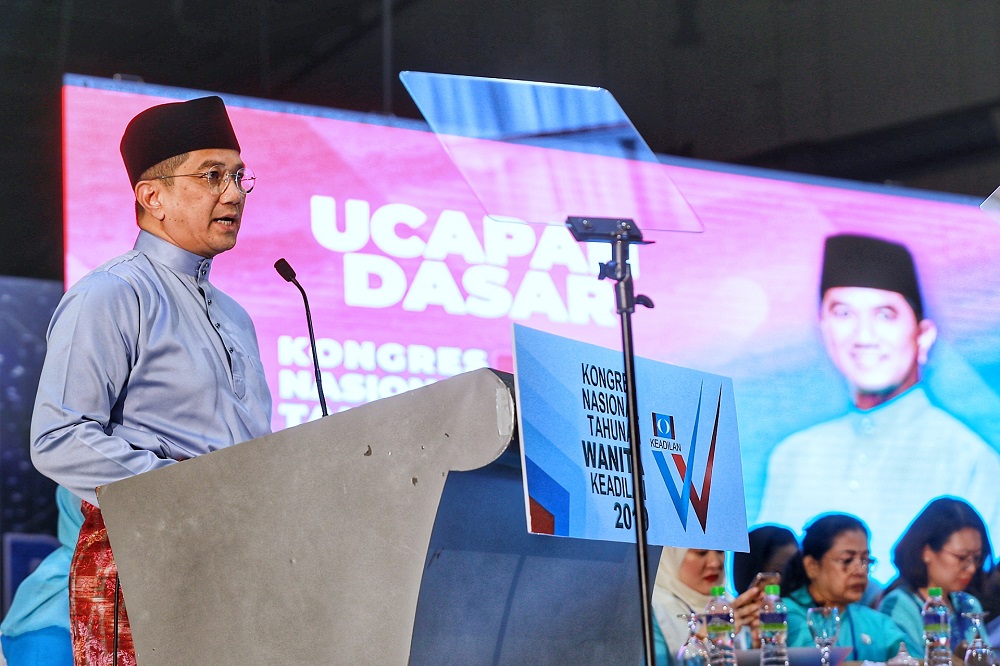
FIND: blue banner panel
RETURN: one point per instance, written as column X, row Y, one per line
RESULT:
column 576, row 457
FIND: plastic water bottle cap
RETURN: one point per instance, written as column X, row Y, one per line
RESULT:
column 772, row 590
column 718, row 591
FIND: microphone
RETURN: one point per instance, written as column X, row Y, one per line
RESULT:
column 285, row 270
column 288, row 273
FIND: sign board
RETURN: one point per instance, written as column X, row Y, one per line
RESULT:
column 576, row 459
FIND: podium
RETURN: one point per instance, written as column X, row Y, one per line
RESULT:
column 391, row 533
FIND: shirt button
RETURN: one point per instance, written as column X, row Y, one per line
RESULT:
column 210, row 301
column 231, row 350
column 218, row 325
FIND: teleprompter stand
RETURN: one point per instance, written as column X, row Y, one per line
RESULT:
column 539, row 152
column 621, row 234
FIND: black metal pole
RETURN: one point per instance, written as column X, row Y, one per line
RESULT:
column 622, row 232
column 625, row 299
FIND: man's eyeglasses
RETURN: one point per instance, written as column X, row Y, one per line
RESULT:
column 974, row 560
column 218, row 179
column 859, row 561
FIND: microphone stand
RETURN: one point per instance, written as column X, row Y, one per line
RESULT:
column 286, row 271
column 622, row 233
column 115, row 642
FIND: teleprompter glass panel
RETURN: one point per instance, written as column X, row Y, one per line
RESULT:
column 541, row 152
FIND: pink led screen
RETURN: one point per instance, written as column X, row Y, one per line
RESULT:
column 409, row 284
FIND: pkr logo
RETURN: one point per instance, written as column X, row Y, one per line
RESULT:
column 685, row 468
column 663, row 426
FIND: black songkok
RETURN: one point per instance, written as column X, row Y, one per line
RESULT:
column 862, row 261
column 165, row 131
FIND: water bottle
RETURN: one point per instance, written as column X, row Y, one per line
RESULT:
column 937, row 630
column 773, row 628
column 721, row 628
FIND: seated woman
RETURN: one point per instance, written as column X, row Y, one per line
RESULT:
column 831, row 569
column 945, row 547
column 771, row 546
column 683, row 585
column 35, row 631
column 989, row 595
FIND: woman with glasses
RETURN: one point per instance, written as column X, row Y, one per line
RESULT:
column 944, row 547
column 831, row 569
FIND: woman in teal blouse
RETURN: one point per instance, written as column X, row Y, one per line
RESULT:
column 831, row 569
column 35, row 631
column 945, row 546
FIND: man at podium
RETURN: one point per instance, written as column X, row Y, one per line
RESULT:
column 148, row 363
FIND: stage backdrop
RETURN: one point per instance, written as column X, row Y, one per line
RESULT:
column 409, row 284
column 27, row 499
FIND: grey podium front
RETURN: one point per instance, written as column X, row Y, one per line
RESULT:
column 390, row 533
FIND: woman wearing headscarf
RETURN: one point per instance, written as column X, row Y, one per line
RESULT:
column 683, row 585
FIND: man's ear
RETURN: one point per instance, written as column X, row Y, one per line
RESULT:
column 926, row 335
column 147, row 194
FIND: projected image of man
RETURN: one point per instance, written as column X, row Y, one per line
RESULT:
column 895, row 450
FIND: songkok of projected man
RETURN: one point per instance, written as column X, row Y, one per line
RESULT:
column 895, row 450
column 148, row 363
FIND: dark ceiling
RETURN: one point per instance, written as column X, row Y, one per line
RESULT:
column 666, row 60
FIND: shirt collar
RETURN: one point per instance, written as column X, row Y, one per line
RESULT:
column 173, row 257
column 904, row 408
column 802, row 597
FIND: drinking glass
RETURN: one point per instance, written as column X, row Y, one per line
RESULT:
column 963, row 623
column 824, row 624
column 694, row 652
column 979, row 652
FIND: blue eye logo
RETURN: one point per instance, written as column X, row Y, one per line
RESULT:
column 663, row 426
